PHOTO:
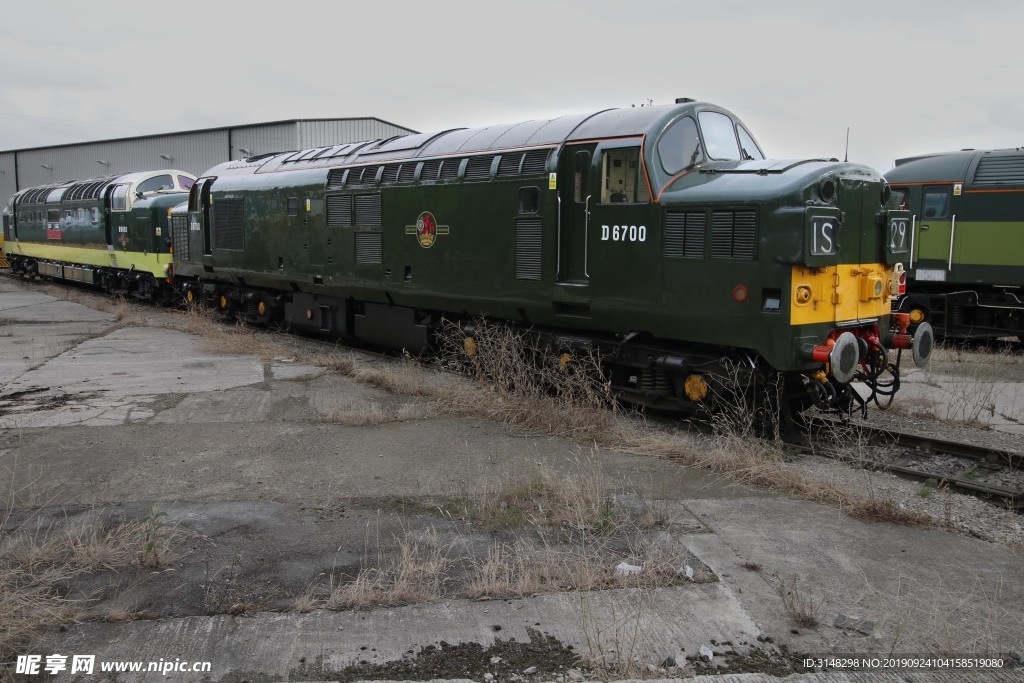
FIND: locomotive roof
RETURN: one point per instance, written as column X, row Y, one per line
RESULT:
column 932, row 167
column 608, row 123
column 945, row 166
column 90, row 188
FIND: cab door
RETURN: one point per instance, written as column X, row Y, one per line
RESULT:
column 577, row 181
column 199, row 214
column 935, row 231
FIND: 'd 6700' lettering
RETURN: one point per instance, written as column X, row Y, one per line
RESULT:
column 624, row 233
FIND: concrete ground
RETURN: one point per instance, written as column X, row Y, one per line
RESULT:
column 268, row 501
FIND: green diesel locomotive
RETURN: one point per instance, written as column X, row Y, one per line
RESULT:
column 967, row 239
column 659, row 235
column 112, row 232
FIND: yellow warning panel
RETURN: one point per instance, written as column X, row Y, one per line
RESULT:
column 839, row 293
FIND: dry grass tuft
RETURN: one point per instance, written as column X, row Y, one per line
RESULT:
column 352, row 416
column 578, row 499
column 801, row 607
column 524, row 384
column 402, row 378
column 416, row 574
column 37, row 569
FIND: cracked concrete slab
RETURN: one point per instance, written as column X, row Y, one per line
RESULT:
column 236, row 451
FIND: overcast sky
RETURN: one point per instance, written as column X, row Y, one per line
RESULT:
column 905, row 77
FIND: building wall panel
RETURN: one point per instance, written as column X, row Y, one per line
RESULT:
column 191, row 151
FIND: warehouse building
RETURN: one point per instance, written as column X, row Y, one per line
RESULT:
column 193, row 151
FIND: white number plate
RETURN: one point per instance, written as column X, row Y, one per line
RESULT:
column 624, row 233
column 824, row 231
column 930, row 275
column 899, row 229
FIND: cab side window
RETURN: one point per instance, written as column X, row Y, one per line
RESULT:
column 936, row 202
column 679, row 147
column 119, row 198
column 157, row 183
column 748, row 148
column 622, row 178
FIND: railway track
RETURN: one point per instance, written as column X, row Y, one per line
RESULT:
column 994, row 474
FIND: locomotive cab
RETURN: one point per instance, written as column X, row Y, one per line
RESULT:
column 817, row 243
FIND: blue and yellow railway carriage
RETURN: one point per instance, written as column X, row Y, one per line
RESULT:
column 111, row 231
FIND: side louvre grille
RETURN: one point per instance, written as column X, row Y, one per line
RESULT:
column 430, row 170
column 479, row 168
column 367, row 210
column 509, row 165
column 390, row 174
column 369, row 247
column 335, row 178
column 450, row 169
column 734, row 235
column 999, row 171
column 179, row 236
column 408, row 172
column 528, row 248
column 339, row 210
column 229, row 224
column 535, row 161
column 362, row 176
column 684, row 234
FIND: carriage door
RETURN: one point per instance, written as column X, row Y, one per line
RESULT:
column 576, row 197
column 199, row 213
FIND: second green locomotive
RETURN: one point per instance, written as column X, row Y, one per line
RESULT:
column 967, row 239
column 112, row 232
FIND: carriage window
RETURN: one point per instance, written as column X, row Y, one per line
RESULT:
column 157, row 183
column 53, row 216
column 623, row 181
column 748, row 148
column 293, row 206
column 119, row 199
column 679, row 148
column 719, row 135
column 81, row 214
column 95, row 215
column 936, row 202
column 185, row 182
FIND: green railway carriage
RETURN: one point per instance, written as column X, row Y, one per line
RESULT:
column 659, row 234
column 967, row 260
column 112, row 231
